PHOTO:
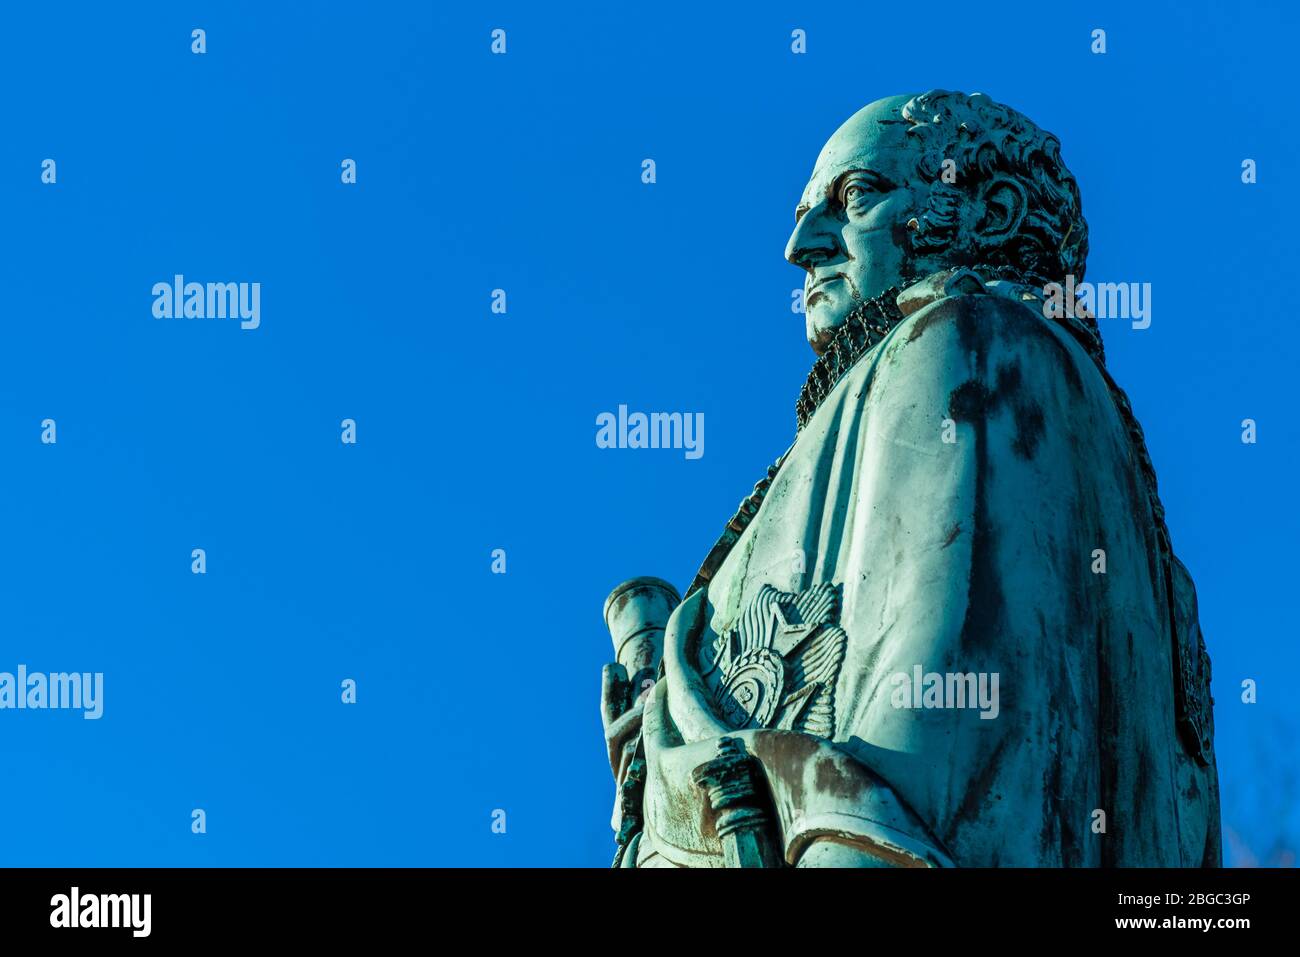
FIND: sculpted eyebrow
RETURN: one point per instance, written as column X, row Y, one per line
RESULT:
column 833, row 188
column 881, row 182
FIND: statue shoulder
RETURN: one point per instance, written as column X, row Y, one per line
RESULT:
column 998, row 332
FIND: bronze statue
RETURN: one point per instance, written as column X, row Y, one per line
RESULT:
column 947, row 628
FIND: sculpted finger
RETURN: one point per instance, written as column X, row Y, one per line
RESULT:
column 613, row 693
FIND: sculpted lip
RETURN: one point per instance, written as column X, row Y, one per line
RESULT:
column 813, row 293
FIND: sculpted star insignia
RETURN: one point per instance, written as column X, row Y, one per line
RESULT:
column 778, row 667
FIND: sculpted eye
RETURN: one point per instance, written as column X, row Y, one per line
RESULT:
column 855, row 190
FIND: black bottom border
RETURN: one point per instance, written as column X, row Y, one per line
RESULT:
column 335, row 906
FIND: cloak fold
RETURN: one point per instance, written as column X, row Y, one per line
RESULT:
column 959, row 487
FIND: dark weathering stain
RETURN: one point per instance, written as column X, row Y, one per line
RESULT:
column 1144, row 793
column 979, row 788
column 985, row 605
column 985, row 624
column 1028, row 413
column 973, row 402
column 1108, row 723
column 1057, row 838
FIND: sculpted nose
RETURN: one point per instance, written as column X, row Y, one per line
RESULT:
column 812, row 241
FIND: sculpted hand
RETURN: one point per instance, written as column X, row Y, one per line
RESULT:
column 688, row 698
column 620, row 714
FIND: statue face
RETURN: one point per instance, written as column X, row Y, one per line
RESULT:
column 851, row 231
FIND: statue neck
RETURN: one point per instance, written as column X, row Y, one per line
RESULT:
column 864, row 327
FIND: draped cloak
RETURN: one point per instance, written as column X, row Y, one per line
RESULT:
column 972, row 496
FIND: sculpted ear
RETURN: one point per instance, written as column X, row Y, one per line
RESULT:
column 1003, row 205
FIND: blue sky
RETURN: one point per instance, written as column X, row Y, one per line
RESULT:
column 476, row 431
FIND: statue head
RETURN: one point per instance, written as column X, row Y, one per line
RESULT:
column 910, row 185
